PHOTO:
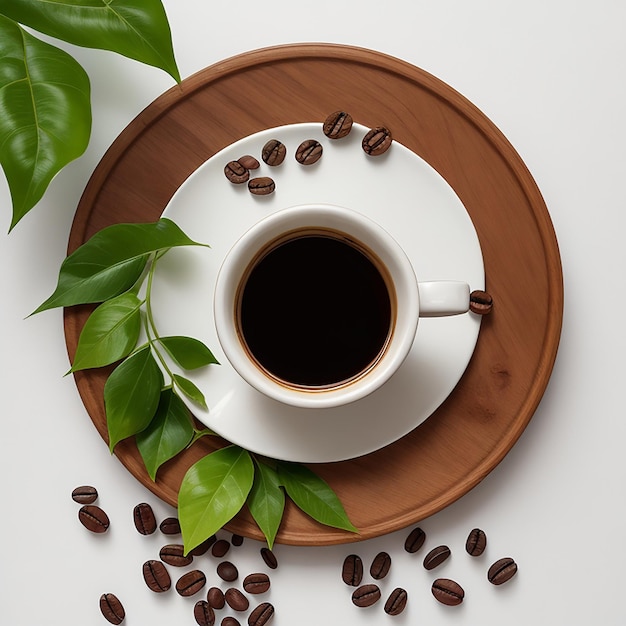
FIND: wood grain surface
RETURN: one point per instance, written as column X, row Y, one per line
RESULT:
column 472, row 431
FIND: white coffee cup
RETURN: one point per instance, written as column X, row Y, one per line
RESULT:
column 405, row 302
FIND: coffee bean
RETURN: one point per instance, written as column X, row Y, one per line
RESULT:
column 262, row 186
column 174, row 554
column 144, row 519
column 85, row 494
column 447, row 591
column 415, row 540
column 190, row 583
column 352, row 570
column 156, row 576
column 480, row 302
column 377, row 141
column 204, row 613
column 229, row 620
column 236, row 173
column 396, row 602
column 309, row 152
column 366, row 595
column 170, row 526
column 249, row 162
column 236, row 600
column 476, row 542
column 380, row 566
column 215, row 597
column 93, row 518
column 261, row 615
column 256, row 583
column 202, row 548
column 436, row 557
column 273, row 152
column 220, row 548
column 112, row 608
column 227, row 571
column 269, row 557
column 502, row 571
column 337, row 125
column 236, row 540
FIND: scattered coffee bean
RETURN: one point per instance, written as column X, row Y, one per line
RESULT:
column 229, row 620
column 256, row 583
column 480, row 302
column 93, row 518
column 227, row 571
column 215, row 597
column 337, row 125
column 352, row 570
column 220, row 548
column 145, row 521
column 366, row 595
column 262, row 186
column 170, row 526
column 396, row 602
column 236, row 600
column 273, row 152
column 204, row 613
column 309, row 152
column 436, row 557
column 156, row 576
column 174, row 554
column 476, row 542
column 236, row 173
column 190, row 583
column 447, row 591
column 380, row 566
column 249, row 162
column 377, row 141
column 112, row 608
column 269, row 557
column 415, row 540
column 502, row 571
column 203, row 548
column 261, row 615
column 85, row 494
column 236, row 540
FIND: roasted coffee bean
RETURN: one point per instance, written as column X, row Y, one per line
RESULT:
column 85, row 494
column 337, row 125
column 215, row 597
column 156, row 576
column 377, row 141
column 502, row 571
column 269, row 557
column 476, row 542
column 236, row 600
column 415, row 540
column 366, row 595
column 236, row 540
column 204, row 613
column 447, row 591
column 170, row 526
column 93, row 518
column 261, row 615
column 380, row 566
column 309, row 152
column 249, row 162
column 220, row 548
column 436, row 557
column 174, row 554
column 144, row 519
column 112, row 608
column 396, row 602
column 262, row 186
column 190, row 583
column 229, row 620
column 480, row 302
column 273, row 152
column 236, row 173
column 203, row 548
column 227, row 571
column 352, row 570
column 256, row 583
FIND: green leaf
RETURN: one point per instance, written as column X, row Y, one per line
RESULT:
column 110, row 333
column 137, row 29
column 45, row 112
column 313, row 495
column 266, row 501
column 131, row 395
column 187, row 352
column 212, row 492
column 168, row 433
column 111, row 261
column 190, row 390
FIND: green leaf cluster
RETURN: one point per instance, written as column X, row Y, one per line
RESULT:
column 45, row 94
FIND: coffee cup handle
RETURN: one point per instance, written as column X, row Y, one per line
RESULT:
column 441, row 298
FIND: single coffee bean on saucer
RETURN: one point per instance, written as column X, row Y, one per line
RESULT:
column 236, row 540
column 85, row 494
column 145, row 521
column 249, row 162
column 203, row 548
column 380, row 566
column 261, row 615
column 229, row 620
column 269, row 558
column 93, row 518
column 273, row 152
column 236, row 600
column 502, row 571
column 436, row 557
column 215, row 597
column 476, row 542
column 220, row 548
column 190, row 583
column 447, row 591
column 309, row 152
column 156, row 576
column 203, row 613
column 174, row 554
column 352, row 570
column 256, row 583
column 415, row 540
column 227, row 571
column 261, row 186
column 170, row 526
column 377, row 141
column 236, row 173
column 366, row 595
column 480, row 302
column 112, row 608
column 396, row 602
column 337, row 125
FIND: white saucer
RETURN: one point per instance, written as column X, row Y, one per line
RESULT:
column 401, row 192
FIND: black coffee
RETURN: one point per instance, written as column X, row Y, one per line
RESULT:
column 315, row 311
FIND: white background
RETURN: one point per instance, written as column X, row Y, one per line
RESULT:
column 551, row 75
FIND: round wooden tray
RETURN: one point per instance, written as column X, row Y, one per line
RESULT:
column 477, row 425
